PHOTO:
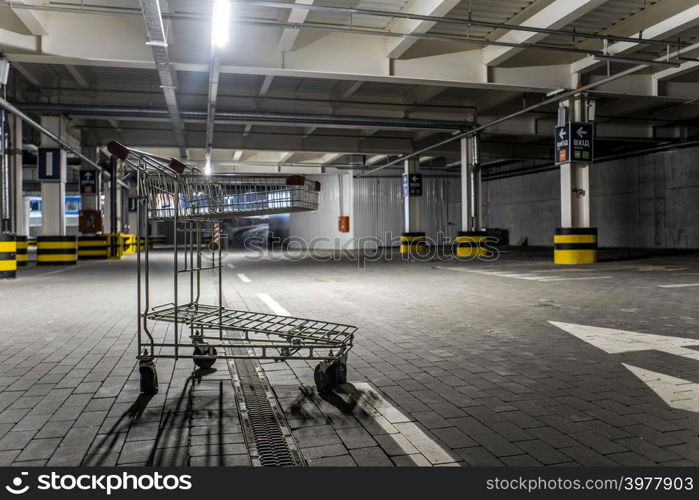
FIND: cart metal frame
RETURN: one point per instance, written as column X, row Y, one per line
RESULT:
column 195, row 204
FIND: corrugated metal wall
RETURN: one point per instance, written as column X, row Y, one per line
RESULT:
column 378, row 208
column 375, row 207
column 319, row 229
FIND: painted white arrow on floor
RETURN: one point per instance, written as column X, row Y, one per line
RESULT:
column 676, row 392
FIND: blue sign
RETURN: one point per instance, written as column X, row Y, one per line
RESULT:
column 73, row 205
column 581, row 142
column 574, row 143
column 52, row 165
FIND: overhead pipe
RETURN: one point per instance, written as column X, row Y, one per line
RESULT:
column 450, row 20
column 191, row 16
column 247, row 117
column 546, row 167
column 17, row 112
column 552, row 100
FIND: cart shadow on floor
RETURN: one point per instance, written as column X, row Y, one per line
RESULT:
column 173, row 429
column 346, row 398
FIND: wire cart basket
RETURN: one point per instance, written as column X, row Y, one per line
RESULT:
column 195, row 204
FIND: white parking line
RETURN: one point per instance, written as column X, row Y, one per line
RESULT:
column 521, row 276
column 243, row 278
column 230, row 266
column 406, row 434
column 574, row 279
column 681, row 285
column 273, row 304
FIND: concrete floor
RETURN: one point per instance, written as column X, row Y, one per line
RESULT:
column 454, row 364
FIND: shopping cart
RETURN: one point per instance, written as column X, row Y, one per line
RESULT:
column 195, row 204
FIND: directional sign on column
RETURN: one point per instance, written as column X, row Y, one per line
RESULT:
column 581, row 142
column 562, row 145
column 412, row 185
column 88, row 182
column 574, row 143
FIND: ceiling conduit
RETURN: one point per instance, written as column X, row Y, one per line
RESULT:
column 157, row 40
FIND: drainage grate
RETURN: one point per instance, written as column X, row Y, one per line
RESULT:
column 268, row 437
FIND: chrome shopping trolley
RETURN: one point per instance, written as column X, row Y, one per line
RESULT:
column 195, row 204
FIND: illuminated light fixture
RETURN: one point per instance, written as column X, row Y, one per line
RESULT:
column 157, row 43
column 220, row 23
column 207, row 166
column 632, row 60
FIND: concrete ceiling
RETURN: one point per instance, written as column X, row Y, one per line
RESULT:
column 302, row 89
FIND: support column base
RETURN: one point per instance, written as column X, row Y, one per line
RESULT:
column 93, row 247
column 577, row 245
column 8, row 259
column 412, row 242
column 471, row 244
column 56, row 250
column 22, row 247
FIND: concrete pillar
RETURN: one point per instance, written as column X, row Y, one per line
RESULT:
column 470, row 241
column 412, row 204
column 575, row 242
column 466, row 160
column 53, row 193
column 53, row 246
column 412, row 239
column 21, row 205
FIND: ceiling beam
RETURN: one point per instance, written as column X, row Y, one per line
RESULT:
column 30, row 19
column 77, row 75
column 114, row 123
column 673, row 72
column 557, row 14
column 309, row 131
column 398, row 46
column 663, row 29
column 26, row 74
column 285, row 156
column 344, row 90
column 328, row 158
column 266, row 84
column 423, row 93
column 287, row 40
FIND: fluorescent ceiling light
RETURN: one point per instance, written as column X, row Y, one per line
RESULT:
column 207, row 166
column 220, row 23
column 157, row 43
column 632, row 60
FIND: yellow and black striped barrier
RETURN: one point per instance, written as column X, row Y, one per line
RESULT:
column 471, row 244
column 31, row 242
column 93, row 247
column 8, row 261
column 22, row 247
column 56, row 250
column 121, row 244
column 575, row 245
column 412, row 242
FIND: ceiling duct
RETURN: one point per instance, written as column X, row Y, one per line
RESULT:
column 157, row 41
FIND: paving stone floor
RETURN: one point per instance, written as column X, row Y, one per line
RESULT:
column 455, row 363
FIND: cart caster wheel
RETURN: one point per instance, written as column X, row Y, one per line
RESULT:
column 340, row 370
column 149, row 378
column 324, row 375
column 204, row 350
